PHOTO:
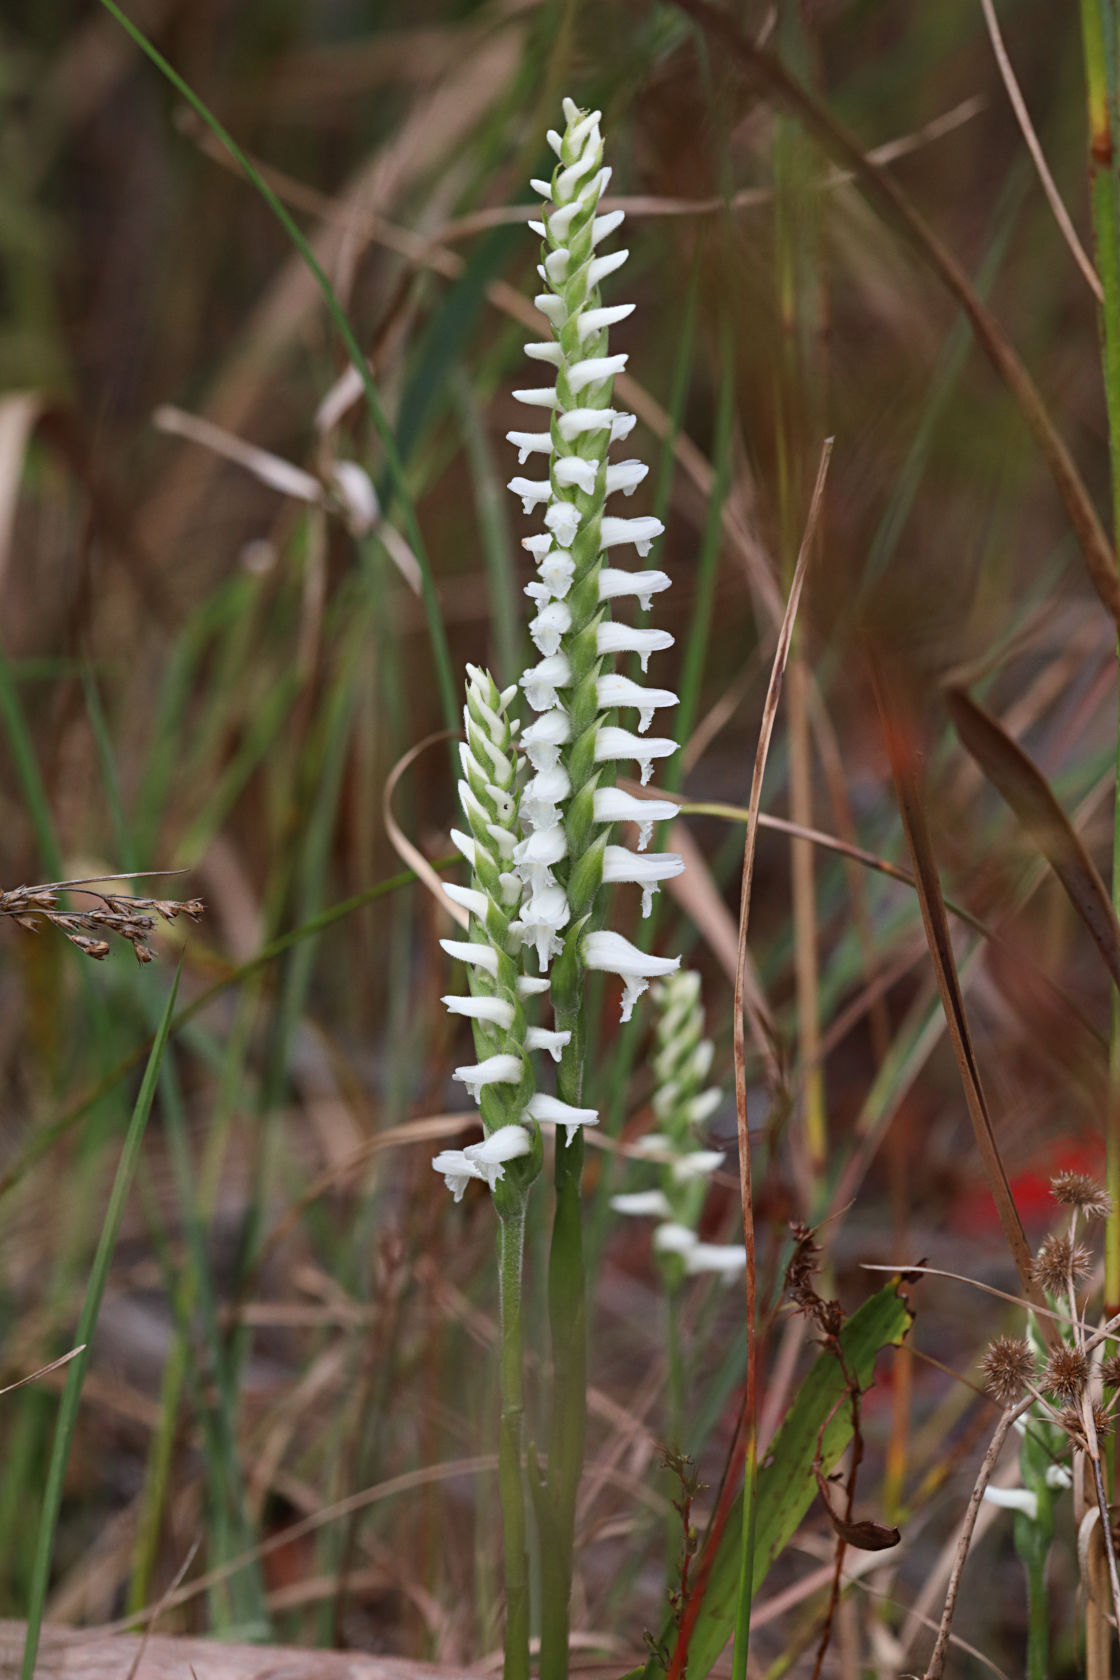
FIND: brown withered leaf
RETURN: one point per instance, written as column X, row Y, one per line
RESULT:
column 866, row 1536
column 1019, row 781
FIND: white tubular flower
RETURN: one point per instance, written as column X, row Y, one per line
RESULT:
column 495, row 1070
column 647, row 871
column 725, row 1259
column 613, row 954
column 498, row 1011
column 614, row 584
column 624, row 638
column 640, row 1204
column 550, row 1111
column 572, row 746
column 508, row 1143
column 612, row 804
column 541, row 1038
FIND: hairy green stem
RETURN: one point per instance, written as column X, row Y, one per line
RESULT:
column 568, row 1323
column 511, row 1247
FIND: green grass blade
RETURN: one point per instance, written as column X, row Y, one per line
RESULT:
column 786, row 1482
column 75, row 1376
column 448, row 685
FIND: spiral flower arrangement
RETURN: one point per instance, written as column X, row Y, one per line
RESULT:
column 570, row 805
column 540, row 851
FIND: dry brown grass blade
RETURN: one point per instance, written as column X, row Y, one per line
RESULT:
column 402, row 845
column 1018, row 780
column 899, row 730
column 702, row 902
column 890, row 200
column 1034, row 147
column 44, row 1370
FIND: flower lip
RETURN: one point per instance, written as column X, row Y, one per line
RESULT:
column 457, row 1170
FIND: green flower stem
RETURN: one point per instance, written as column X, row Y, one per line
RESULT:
column 1032, row 1543
column 567, row 1307
column 511, row 1245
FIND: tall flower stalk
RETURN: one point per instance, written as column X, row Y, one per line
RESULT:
column 540, row 851
column 570, row 805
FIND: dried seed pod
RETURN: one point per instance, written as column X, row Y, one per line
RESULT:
column 1080, row 1190
column 1059, row 1262
column 1008, row 1366
column 1110, row 1371
column 1066, row 1373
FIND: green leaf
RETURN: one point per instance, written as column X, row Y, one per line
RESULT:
column 786, row 1484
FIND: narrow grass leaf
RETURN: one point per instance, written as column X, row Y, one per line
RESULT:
column 1026, row 790
column 72, row 1393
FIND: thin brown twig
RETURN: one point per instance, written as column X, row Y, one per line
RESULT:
column 1034, row 147
column 936, row 1665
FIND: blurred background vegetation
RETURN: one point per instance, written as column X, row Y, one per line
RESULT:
column 202, row 670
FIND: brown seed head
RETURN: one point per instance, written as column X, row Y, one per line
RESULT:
column 1066, row 1373
column 1008, row 1365
column 1079, row 1190
column 1059, row 1261
column 1110, row 1371
column 1071, row 1421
